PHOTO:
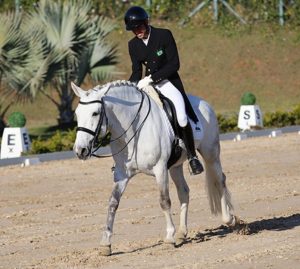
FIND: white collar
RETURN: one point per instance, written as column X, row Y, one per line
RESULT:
column 147, row 40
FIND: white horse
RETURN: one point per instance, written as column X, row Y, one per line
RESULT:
column 141, row 139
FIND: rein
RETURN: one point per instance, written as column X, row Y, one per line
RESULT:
column 96, row 133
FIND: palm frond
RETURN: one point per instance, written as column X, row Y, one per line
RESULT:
column 103, row 73
column 58, row 42
column 12, row 48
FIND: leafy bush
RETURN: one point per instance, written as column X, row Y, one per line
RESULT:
column 227, row 123
column 281, row 119
column 16, row 119
column 296, row 114
column 58, row 142
column 248, row 98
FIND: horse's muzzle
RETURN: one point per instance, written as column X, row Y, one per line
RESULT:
column 82, row 153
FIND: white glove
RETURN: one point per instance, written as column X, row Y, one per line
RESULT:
column 145, row 82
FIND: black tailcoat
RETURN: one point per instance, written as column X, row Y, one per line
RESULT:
column 161, row 61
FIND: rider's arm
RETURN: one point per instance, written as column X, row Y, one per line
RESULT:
column 137, row 67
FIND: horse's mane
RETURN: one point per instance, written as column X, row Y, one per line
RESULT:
column 121, row 88
column 115, row 84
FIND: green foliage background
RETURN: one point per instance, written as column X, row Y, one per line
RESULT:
column 252, row 10
column 259, row 14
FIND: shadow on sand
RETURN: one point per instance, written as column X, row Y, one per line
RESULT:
column 274, row 224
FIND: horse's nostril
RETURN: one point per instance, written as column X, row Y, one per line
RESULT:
column 82, row 153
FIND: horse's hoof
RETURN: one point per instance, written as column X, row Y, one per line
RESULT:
column 169, row 242
column 240, row 226
column 179, row 242
column 105, row 250
column 179, row 239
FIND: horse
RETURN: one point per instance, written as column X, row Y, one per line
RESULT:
column 141, row 139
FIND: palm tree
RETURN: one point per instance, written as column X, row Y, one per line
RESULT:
column 74, row 47
column 9, row 52
column 15, row 55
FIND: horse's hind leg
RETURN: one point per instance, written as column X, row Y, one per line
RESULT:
column 183, row 195
column 218, row 194
column 161, row 175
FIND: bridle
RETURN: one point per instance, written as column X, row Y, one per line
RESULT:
column 102, row 113
column 94, row 144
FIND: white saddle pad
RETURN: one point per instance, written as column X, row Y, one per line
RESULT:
column 153, row 94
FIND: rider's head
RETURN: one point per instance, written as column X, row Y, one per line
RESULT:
column 137, row 20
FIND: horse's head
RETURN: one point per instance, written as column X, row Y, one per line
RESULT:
column 90, row 116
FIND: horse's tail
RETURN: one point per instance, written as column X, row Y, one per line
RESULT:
column 218, row 194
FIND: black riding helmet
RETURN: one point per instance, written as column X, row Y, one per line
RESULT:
column 134, row 17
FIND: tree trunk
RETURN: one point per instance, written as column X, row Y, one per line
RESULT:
column 3, row 111
column 2, row 126
column 66, row 113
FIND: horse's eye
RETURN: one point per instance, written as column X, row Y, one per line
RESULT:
column 95, row 114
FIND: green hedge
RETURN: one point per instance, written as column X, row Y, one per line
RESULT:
column 60, row 141
column 281, row 119
column 228, row 123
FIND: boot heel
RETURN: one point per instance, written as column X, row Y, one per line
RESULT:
column 196, row 166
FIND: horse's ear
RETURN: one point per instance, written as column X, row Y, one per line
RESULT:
column 77, row 90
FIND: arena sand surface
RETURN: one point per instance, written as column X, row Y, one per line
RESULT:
column 52, row 214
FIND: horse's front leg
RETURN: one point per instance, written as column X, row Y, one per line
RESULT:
column 162, row 179
column 118, row 189
column 183, row 195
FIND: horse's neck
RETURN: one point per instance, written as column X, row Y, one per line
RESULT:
column 122, row 105
column 127, row 114
column 136, row 129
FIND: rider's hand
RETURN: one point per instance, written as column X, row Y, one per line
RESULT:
column 145, row 82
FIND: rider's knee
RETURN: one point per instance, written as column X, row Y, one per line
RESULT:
column 182, row 120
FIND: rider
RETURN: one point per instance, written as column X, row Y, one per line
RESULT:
column 156, row 49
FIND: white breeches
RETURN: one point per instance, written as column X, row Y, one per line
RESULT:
column 171, row 92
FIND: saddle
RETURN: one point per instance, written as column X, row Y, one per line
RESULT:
column 170, row 111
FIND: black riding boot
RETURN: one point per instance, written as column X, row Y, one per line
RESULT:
column 188, row 139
